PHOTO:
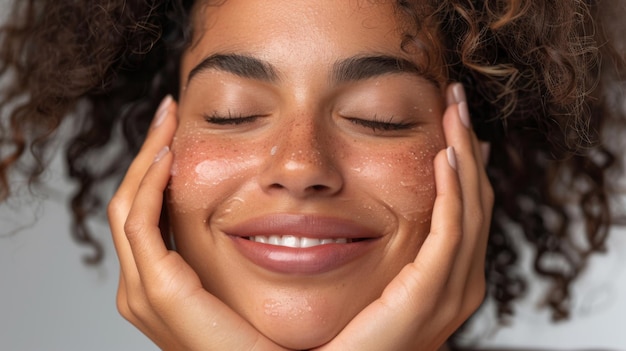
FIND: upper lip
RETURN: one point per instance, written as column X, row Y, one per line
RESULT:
column 301, row 225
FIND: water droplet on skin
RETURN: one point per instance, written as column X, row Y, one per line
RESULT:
column 294, row 308
column 273, row 150
column 272, row 308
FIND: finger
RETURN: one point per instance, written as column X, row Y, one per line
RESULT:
column 476, row 275
column 458, row 133
column 439, row 250
column 122, row 299
column 434, row 261
column 118, row 209
column 142, row 225
column 160, row 134
column 474, row 288
column 468, row 276
column 131, row 313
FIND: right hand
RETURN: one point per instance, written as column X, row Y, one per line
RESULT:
column 159, row 293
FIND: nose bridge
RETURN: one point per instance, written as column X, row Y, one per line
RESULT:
column 301, row 144
column 301, row 160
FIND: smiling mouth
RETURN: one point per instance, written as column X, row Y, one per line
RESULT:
column 302, row 244
column 299, row 242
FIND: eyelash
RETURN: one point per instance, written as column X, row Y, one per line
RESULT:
column 229, row 119
column 377, row 124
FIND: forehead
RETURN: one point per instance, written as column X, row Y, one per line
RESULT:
column 281, row 31
column 294, row 16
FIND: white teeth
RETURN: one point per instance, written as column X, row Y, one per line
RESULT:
column 309, row 242
column 294, row 241
column 291, row 241
column 274, row 240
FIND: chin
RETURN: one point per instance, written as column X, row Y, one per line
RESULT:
column 302, row 320
column 296, row 311
column 301, row 335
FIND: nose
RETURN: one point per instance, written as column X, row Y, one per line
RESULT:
column 302, row 162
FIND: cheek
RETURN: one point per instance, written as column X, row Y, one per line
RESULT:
column 403, row 178
column 206, row 172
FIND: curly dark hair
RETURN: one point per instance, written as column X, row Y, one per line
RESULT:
column 538, row 76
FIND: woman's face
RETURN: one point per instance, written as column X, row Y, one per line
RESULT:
column 303, row 176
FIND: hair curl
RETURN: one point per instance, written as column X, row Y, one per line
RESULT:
column 537, row 75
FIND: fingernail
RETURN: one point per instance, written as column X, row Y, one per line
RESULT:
column 451, row 157
column 459, row 93
column 161, row 154
column 464, row 114
column 162, row 111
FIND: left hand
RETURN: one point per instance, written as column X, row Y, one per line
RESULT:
column 432, row 296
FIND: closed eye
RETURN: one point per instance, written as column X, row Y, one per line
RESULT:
column 378, row 124
column 229, row 118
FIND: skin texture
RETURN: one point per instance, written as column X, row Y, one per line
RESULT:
column 299, row 158
column 303, row 156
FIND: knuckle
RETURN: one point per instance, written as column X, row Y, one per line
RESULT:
column 161, row 292
column 137, row 307
column 115, row 205
column 112, row 206
column 160, row 289
column 134, row 226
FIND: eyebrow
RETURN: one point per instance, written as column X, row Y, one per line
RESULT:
column 350, row 69
column 240, row 65
column 365, row 67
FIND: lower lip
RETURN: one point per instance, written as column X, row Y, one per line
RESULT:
column 311, row 260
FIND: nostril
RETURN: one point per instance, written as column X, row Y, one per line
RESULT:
column 319, row 187
column 277, row 186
